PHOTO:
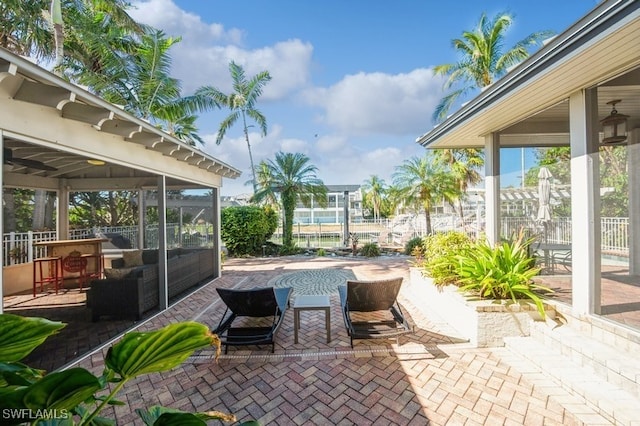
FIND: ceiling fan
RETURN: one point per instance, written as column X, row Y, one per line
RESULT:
column 33, row 164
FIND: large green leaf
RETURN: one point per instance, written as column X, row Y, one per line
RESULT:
column 62, row 390
column 165, row 416
column 161, row 350
column 21, row 335
column 16, row 373
column 11, row 397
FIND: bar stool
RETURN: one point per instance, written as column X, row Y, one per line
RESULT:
column 98, row 265
column 53, row 273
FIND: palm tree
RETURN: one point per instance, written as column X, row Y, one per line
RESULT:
column 242, row 105
column 23, row 28
column 482, row 59
column 96, row 30
column 464, row 165
column 140, row 81
column 293, row 179
column 264, row 178
column 375, row 189
column 51, row 29
column 420, row 182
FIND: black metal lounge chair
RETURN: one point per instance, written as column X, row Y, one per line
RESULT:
column 255, row 303
column 366, row 306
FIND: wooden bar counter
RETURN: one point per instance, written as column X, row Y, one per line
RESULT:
column 81, row 259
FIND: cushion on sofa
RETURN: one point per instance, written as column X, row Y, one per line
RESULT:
column 132, row 258
column 118, row 273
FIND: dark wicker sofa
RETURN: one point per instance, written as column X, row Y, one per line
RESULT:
column 130, row 291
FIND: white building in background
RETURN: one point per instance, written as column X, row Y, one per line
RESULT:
column 334, row 211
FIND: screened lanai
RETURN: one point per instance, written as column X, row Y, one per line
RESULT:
column 60, row 138
column 559, row 97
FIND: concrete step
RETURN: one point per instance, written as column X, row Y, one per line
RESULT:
column 614, row 361
column 605, row 377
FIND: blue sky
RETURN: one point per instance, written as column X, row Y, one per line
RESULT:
column 352, row 84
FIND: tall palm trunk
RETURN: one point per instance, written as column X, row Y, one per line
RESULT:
column 9, row 211
column 427, row 217
column 39, row 207
column 246, row 137
column 288, row 206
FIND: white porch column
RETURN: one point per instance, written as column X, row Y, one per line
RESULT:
column 142, row 214
column 217, row 232
column 162, row 243
column 633, row 161
column 492, row 187
column 62, row 211
column 585, row 202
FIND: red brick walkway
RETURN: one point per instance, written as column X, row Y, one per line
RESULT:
column 429, row 378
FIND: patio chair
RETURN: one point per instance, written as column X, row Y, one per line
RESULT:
column 252, row 317
column 371, row 311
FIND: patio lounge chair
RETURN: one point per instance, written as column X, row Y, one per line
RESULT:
column 371, row 311
column 264, row 306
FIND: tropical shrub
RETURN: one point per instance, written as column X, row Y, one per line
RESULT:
column 76, row 396
column 245, row 229
column 505, row 271
column 370, row 250
column 322, row 252
column 412, row 244
column 288, row 250
column 439, row 255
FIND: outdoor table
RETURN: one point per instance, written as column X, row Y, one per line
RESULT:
column 549, row 249
column 311, row 303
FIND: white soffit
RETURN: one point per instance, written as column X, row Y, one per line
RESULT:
column 54, row 122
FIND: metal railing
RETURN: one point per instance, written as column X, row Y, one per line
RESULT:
column 614, row 231
column 19, row 247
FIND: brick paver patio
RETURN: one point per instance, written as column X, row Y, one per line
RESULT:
column 430, row 378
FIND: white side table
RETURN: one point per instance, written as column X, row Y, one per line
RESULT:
column 311, row 303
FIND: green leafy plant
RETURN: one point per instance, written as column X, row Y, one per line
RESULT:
column 354, row 242
column 413, row 244
column 370, row 250
column 439, row 256
column 322, row 252
column 245, row 229
column 501, row 272
column 76, row 396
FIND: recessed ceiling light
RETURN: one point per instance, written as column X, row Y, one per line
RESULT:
column 96, row 162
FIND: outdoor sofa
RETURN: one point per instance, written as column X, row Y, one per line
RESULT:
column 130, row 286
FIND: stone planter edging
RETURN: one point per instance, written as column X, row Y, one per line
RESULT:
column 483, row 322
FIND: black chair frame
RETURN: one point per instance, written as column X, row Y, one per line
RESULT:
column 255, row 303
column 373, row 296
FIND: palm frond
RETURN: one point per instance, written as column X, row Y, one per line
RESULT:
column 226, row 124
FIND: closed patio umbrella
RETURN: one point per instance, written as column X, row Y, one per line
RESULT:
column 544, row 207
column 544, row 196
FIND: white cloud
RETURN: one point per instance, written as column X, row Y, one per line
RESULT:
column 369, row 119
column 203, row 55
column 372, row 103
column 165, row 15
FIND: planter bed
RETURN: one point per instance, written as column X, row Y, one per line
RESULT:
column 483, row 322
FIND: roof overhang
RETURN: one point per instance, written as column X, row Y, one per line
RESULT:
column 46, row 119
column 529, row 107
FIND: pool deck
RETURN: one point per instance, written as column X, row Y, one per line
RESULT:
column 431, row 377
